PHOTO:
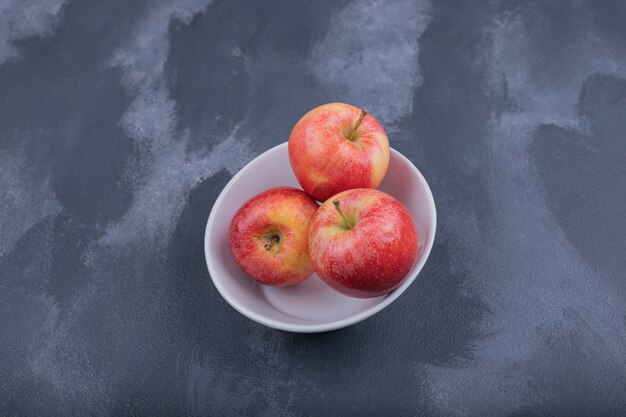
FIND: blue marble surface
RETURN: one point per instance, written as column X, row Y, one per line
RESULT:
column 121, row 121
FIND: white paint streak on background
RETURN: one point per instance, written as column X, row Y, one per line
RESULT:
column 370, row 55
column 25, row 199
column 166, row 172
column 164, row 175
column 545, row 291
column 20, row 19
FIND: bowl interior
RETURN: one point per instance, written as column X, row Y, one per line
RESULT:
column 311, row 306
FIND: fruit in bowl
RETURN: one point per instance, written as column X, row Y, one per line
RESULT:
column 268, row 236
column 312, row 306
column 337, row 147
column 363, row 243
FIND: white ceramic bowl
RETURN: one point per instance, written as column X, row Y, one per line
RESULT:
column 311, row 306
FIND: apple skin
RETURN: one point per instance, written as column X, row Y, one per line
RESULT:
column 268, row 236
column 326, row 162
column 374, row 256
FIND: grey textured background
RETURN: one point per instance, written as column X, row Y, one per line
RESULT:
column 121, row 121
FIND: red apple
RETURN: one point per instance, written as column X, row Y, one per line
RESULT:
column 363, row 242
column 268, row 236
column 338, row 147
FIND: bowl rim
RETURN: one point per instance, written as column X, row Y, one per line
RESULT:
column 333, row 325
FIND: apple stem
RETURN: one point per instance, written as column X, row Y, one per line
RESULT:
column 358, row 123
column 343, row 215
column 361, row 117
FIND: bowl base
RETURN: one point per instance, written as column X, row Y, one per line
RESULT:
column 314, row 301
